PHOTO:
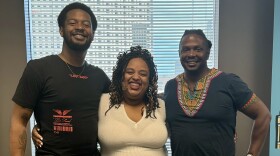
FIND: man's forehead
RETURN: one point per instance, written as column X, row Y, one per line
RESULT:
column 77, row 13
column 193, row 37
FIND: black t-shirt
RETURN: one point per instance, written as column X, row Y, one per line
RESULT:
column 209, row 131
column 65, row 105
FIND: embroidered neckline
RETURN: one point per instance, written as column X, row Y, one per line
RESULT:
column 192, row 101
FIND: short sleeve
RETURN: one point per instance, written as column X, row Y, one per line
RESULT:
column 29, row 87
column 240, row 92
column 107, row 84
column 167, row 89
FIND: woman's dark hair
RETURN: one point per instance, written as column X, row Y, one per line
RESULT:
column 76, row 5
column 116, row 92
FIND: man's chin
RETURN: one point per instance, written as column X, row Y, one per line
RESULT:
column 191, row 68
column 80, row 47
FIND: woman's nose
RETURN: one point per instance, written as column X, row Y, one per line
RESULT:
column 135, row 76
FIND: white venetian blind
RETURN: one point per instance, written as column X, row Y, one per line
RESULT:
column 156, row 25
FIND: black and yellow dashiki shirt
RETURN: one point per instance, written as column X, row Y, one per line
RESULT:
column 202, row 123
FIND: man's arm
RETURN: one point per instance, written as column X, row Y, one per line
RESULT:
column 261, row 116
column 18, row 137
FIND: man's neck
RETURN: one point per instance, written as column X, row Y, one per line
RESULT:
column 73, row 58
column 194, row 76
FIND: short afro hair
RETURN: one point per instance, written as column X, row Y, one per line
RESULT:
column 76, row 5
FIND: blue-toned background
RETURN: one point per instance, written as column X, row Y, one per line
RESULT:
column 275, row 95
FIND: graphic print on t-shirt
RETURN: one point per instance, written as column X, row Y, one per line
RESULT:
column 62, row 121
column 78, row 76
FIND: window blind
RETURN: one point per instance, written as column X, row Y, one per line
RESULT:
column 156, row 25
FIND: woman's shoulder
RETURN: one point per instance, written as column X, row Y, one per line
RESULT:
column 161, row 102
column 105, row 96
column 104, row 102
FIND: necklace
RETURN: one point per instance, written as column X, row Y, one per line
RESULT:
column 74, row 74
column 191, row 95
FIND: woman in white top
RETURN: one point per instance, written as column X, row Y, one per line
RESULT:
column 131, row 117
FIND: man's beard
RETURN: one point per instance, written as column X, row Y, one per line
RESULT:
column 196, row 71
column 75, row 46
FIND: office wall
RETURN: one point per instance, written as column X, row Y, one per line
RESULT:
column 275, row 98
column 12, row 63
column 245, row 48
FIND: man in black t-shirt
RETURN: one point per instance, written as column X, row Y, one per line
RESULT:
column 63, row 91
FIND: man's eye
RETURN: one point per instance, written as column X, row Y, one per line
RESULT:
column 198, row 49
column 185, row 49
column 71, row 22
column 87, row 24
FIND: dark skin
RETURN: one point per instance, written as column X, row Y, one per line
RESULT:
column 194, row 54
column 135, row 84
column 78, row 31
column 18, row 136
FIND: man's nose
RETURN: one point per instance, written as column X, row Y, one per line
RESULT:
column 80, row 26
column 191, row 53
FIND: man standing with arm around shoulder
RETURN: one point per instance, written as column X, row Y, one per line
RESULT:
column 201, row 105
column 63, row 91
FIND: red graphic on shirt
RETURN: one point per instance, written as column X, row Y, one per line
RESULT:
column 62, row 121
column 78, row 76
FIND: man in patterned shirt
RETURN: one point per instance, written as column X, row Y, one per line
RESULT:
column 201, row 105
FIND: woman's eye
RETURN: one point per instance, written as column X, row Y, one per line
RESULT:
column 129, row 72
column 143, row 74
